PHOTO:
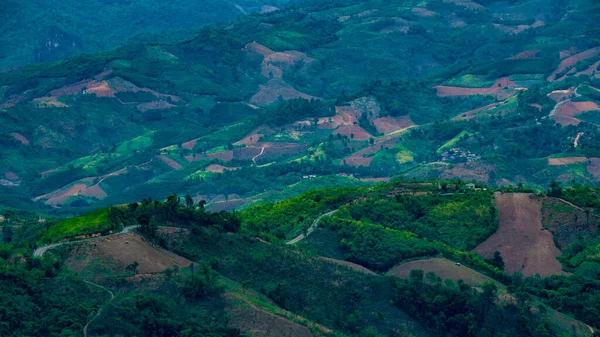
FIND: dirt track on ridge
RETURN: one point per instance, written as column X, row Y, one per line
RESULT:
column 524, row 246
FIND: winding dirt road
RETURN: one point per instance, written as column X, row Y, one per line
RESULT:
column 262, row 150
column 310, row 229
column 41, row 250
column 112, row 297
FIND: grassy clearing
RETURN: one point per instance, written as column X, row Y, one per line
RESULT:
column 471, row 81
column 90, row 223
column 452, row 142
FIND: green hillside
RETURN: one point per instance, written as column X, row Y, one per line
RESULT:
column 228, row 280
column 233, row 113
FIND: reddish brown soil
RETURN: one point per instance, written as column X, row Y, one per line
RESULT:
column 423, row 12
column 565, row 114
column 273, row 90
column 471, row 113
column 155, row 105
column 11, row 176
column 360, row 158
column 219, row 168
column 467, row 4
column 221, row 155
column 573, row 60
column 344, row 115
column 94, row 191
column 170, row 162
column 255, row 136
column 256, row 322
column 189, row 145
column 71, row 89
column 387, row 125
column 594, row 168
column 443, row 268
column 20, row 138
column 60, row 196
column 560, row 95
column 100, row 89
column 528, row 54
column 567, row 52
column 566, row 161
column 349, row 130
column 524, row 246
column 592, row 70
column 276, row 150
column 113, row 254
column 254, row 47
column 495, row 89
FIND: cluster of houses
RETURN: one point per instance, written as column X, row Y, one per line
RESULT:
column 457, row 155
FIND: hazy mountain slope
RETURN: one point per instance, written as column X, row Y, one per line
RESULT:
column 42, row 31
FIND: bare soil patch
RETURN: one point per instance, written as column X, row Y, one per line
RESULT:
column 423, row 12
column 592, row 70
column 94, row 191
column 11, row 176
column 112, row 255
column 60, row 196
column 566, row 161
column 443, row 268
column 466, row 3
column 496, row 89
column 527, row 54
column 275, row 88
column 560, row 95
column 471, row 113
column 594, row 168
column 216, row 168
column 170, row 162
column 100, row 89
column 255, row 136
column 573, row 60
column 565, row 113
column 353, row 132
column 388, row 124
column 155, row 105
column 20, row 138
column 257, row 322
column 524, row 246
column 221, row 155
column 190, row 144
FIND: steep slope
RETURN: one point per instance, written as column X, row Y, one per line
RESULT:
column 522, row 243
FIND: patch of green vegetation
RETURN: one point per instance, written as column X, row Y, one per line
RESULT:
column 452, row 142
column 140, row 143
column 470, row 81
column 94, row 222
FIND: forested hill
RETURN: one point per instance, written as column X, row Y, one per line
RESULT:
column 399, row 259
column 341, row 93
column 45, row 30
